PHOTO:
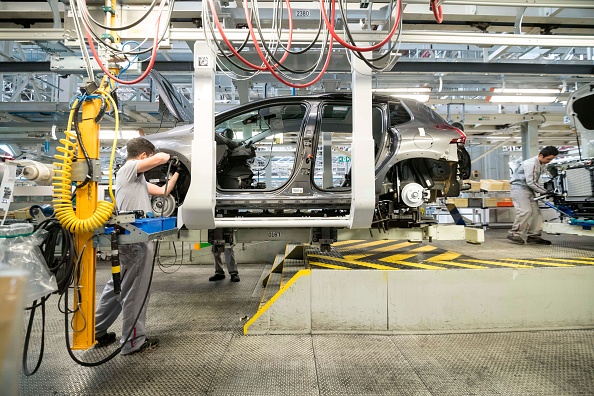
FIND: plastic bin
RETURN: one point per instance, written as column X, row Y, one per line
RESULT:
column 169, row 223
column 149, row 225
column 13, row 285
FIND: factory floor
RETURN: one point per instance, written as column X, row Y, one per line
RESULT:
column 203, row 350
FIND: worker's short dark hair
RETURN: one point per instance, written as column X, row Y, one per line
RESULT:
column 549, row 150
column 139, row 145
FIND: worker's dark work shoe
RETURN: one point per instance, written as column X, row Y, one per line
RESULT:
column 149, row 343
column 235, row 278
column 515, row 239
column 537, row 240
column 105, row 340
column 216, row 277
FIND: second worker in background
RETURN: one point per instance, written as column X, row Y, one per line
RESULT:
column 524, row 189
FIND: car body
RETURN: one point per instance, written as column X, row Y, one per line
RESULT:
column 292, row 156
column 572, row 178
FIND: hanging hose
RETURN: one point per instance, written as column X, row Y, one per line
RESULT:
column 62, row 187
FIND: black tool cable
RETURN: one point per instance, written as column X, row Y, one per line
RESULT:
column 62, row 267
column 118, row 350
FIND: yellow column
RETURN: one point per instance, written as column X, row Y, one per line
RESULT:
column 86, row 204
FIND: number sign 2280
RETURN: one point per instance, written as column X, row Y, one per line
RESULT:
column 302, row 13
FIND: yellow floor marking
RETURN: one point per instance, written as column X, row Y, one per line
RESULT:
column 460, row 264
column 354, row 262
column 538, row 262
column 389, row 248
column 569, row 261
column 325, row 265
column 354, row 256
column 399, row 257
column 498, row 263
column 369, row 244
column 409, row 264
column 584, row 258
column 347, row 242
column 445, row 256
column 426, row 248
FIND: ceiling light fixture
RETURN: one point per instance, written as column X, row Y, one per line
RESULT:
column 523, row 95
column 422, row 94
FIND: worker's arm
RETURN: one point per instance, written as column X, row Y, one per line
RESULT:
column 153, row 189
column 532, row 173
column 150, row 162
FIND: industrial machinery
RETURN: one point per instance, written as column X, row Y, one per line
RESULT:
column 573, row 180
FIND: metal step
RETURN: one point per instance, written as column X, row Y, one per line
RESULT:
column 273, row 285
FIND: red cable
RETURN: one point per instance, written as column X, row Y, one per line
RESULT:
column 353, row 47
column 437, row 11
column 111, row 76
column 271, row 69
column 248, row 17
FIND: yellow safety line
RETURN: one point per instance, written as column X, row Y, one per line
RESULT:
column 584, row 258
column 369, row 244
column 569, row 261
column 539, row 262
column 299, row 274
column 354, row 256
column 426, row 248
column 389, row 248
column 470, row 266
column 400, row 256
column 338, row 267
column 498, row 263
column 354, row 262
column 347, row 242
column 416, row 265
column 447, row 256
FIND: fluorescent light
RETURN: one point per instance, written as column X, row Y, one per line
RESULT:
column 421, row 94
column 524, row 95
column 7, row 149
column 396, row 90
column 107, row 134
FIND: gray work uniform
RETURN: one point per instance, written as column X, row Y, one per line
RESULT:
column 229, row 259
column 136, row 265
column 524, row 188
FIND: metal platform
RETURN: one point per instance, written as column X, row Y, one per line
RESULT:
column 388, row 287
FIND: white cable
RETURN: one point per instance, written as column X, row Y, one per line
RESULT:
column 81, row 42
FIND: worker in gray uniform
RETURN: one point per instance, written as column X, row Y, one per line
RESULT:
column 136, row 259
column 524, row 189
column 231, row 265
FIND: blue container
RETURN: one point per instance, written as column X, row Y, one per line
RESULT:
column 148, row 225
column 169, row 223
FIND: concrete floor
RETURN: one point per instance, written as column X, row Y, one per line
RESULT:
column 203, row 350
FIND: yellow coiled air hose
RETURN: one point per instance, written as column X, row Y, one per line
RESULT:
column 62, row 181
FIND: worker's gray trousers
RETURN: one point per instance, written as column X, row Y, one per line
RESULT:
column 528, row 217
column 136, row 262
column 229, row 259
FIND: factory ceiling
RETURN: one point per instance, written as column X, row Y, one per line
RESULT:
column 480, row 47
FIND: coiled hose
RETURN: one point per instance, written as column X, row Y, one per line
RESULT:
column 62, row 185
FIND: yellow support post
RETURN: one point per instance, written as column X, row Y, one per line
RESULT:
column 86, row 204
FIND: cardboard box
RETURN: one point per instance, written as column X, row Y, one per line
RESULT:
column 458, row 202
column 490, row 202
column 474, row 185
column 491, row 185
